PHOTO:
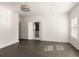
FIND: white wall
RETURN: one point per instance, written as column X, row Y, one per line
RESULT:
column 8, row 27
column 30, row 31
column 54, row 27
column 54, row 19
column 23, row 27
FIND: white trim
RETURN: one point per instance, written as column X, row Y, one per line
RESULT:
column 54, row 41
column 17, row 41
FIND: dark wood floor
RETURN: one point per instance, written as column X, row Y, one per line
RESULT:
column 26, row 48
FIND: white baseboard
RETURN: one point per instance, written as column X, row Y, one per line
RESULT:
column 8, row 44
column 55, row 41
column 74, row 43
column 49, row 40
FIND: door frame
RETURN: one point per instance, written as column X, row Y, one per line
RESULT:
column 40, row 30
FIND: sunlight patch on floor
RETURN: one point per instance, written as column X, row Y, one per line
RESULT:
column 48, row 48
column 60, row 48
column 51, row 48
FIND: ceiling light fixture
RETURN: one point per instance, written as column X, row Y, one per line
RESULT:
column 25, row 7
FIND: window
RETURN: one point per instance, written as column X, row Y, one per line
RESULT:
column 74, row 28
column 74, row 22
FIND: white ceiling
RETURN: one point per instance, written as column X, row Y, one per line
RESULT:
column 41, row 7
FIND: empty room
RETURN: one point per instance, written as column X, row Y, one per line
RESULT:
column 39, row 29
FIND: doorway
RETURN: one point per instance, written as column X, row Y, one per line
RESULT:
column 34, row 30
